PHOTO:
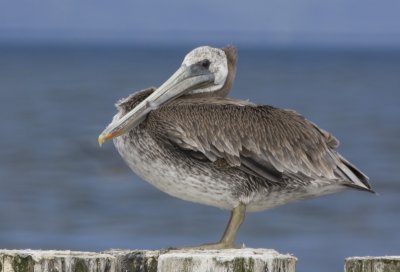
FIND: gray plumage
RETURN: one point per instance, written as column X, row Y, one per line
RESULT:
column 249, row 150
column 203, row 147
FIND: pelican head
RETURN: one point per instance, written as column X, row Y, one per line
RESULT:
column 204, row 70
column 212, row 61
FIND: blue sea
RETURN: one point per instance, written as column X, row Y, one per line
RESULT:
column 59, row 190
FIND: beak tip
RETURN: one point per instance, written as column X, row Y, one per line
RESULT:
column 105, row 136
column 101, row 140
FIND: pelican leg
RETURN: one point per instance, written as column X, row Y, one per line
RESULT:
column 228, row 238
column 235, row 221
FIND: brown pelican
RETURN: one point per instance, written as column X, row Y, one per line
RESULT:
column 190, row 141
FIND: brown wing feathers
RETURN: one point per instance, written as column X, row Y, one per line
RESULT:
column 260, row 140
column 268, row 141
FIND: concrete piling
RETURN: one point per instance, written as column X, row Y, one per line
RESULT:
column 230, row 260
column 372, row 264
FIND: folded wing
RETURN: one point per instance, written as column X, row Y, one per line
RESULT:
column 261, row 140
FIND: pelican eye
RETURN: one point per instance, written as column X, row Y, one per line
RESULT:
column 205, row 63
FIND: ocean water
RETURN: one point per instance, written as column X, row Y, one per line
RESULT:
column 59, row 190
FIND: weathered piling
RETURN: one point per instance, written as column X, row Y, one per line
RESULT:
column 231, row 260
column 372, row 264
column 51, row 260
column 257, row 260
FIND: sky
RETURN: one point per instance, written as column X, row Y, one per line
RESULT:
column 274, row 22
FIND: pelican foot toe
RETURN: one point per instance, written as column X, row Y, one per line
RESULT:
column 211, row 246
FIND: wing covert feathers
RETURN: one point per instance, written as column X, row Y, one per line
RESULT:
column 268, row 141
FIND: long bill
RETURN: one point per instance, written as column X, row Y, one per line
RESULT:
column 183, row 80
